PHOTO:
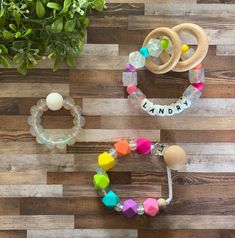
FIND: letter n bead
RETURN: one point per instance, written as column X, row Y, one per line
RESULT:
column 151, row 207
column 106, row 161
column 122, row 147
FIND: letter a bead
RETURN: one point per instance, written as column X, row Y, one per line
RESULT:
column 151, row 207
column 143, row 146
column 101, row 181
column 106, row 161
column 111, row 199
column 122, row 147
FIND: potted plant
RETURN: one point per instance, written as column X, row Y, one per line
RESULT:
column 32, row 29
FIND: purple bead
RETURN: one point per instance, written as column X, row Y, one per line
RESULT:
column 130, row 68
column 129, row 208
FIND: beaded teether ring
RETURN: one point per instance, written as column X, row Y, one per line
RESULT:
column 174, row 157
column 155, row 47
column 54, row 102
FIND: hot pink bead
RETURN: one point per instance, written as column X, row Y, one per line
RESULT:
column 131, row 89
column 198, row 86
column 151, row 207
column 130, row 68
column 143, row 146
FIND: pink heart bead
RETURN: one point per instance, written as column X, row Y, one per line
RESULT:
column 143, row 146
column 151, row 207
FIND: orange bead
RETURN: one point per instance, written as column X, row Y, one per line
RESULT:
column 122, row 147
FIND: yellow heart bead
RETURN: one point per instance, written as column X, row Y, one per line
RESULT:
column 106, row 161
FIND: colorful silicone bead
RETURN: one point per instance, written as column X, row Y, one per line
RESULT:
column 143, row 146
column 130, row 68
column 151, row 206
column 129, row 208
column 164, row 43
column 110, row 200
column 198, row 66
column 131, row 89
column 101, row 181
column 122, row 147
column 144, row 51
column 199, row 86
column 184, row 49
column 106, row 161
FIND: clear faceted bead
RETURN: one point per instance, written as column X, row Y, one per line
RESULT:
column 137, row 97
column 99, row 170
column 101, row 192
column 82, row 121
column 32, row 131
column 140, row 209
column 129, row 78
column 68, row 103
column 154, row 47
column 192, row 94
column 119, row 207
column 34, row 110
column 157, row 149
column 197, row 75
column 113, row 153
column 30, row 120
column 136, row 59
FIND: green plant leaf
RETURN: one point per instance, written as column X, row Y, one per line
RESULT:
column 4, row 62
column 58, row 62
column 40, row 10
column 4, row 49
column 17, row 17
column 22, row 69
column 71, row 60
column 18, row 58
column 70, row 25
column 66, row 6
column 17, row 34
column 99, row 5
column 54, row 6
column 57, row 25
column 7, row 35
column 13, row 27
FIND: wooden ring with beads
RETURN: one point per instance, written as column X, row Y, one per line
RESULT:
column 173, row 59
column 200, row 53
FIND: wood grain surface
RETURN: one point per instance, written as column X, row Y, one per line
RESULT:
column 45, row 195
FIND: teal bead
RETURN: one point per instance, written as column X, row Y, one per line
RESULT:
column 144, row 51
column 110, row 200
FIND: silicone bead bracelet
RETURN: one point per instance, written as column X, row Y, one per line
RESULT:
column 154, row 48
column 57, row 141
column 174, row 157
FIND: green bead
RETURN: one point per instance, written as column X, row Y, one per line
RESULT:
column 111, row 199
column 101, row 181
column 164, row 43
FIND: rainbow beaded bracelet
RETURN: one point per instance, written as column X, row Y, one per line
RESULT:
column 154, row 48
column 174, row 157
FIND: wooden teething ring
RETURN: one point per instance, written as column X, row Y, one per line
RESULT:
column 172, row 60
column 200, row 53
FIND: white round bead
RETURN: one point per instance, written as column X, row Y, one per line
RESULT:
column 54, row 101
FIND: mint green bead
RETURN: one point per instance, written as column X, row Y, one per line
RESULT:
column 110, row 200
column 164, row 43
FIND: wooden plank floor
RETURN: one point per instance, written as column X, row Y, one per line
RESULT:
column 44, row 195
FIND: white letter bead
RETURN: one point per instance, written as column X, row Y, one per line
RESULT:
column 196, row 75
column 170, row 111
column 185, row 102
column 153, row 110
column 162, row 110
column 146, row 104
column 178, row 107
column 129, row 78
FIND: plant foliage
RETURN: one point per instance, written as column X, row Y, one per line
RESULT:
column 33, row 29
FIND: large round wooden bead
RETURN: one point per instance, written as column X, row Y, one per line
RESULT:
column 54, row 101
column 175, row 157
